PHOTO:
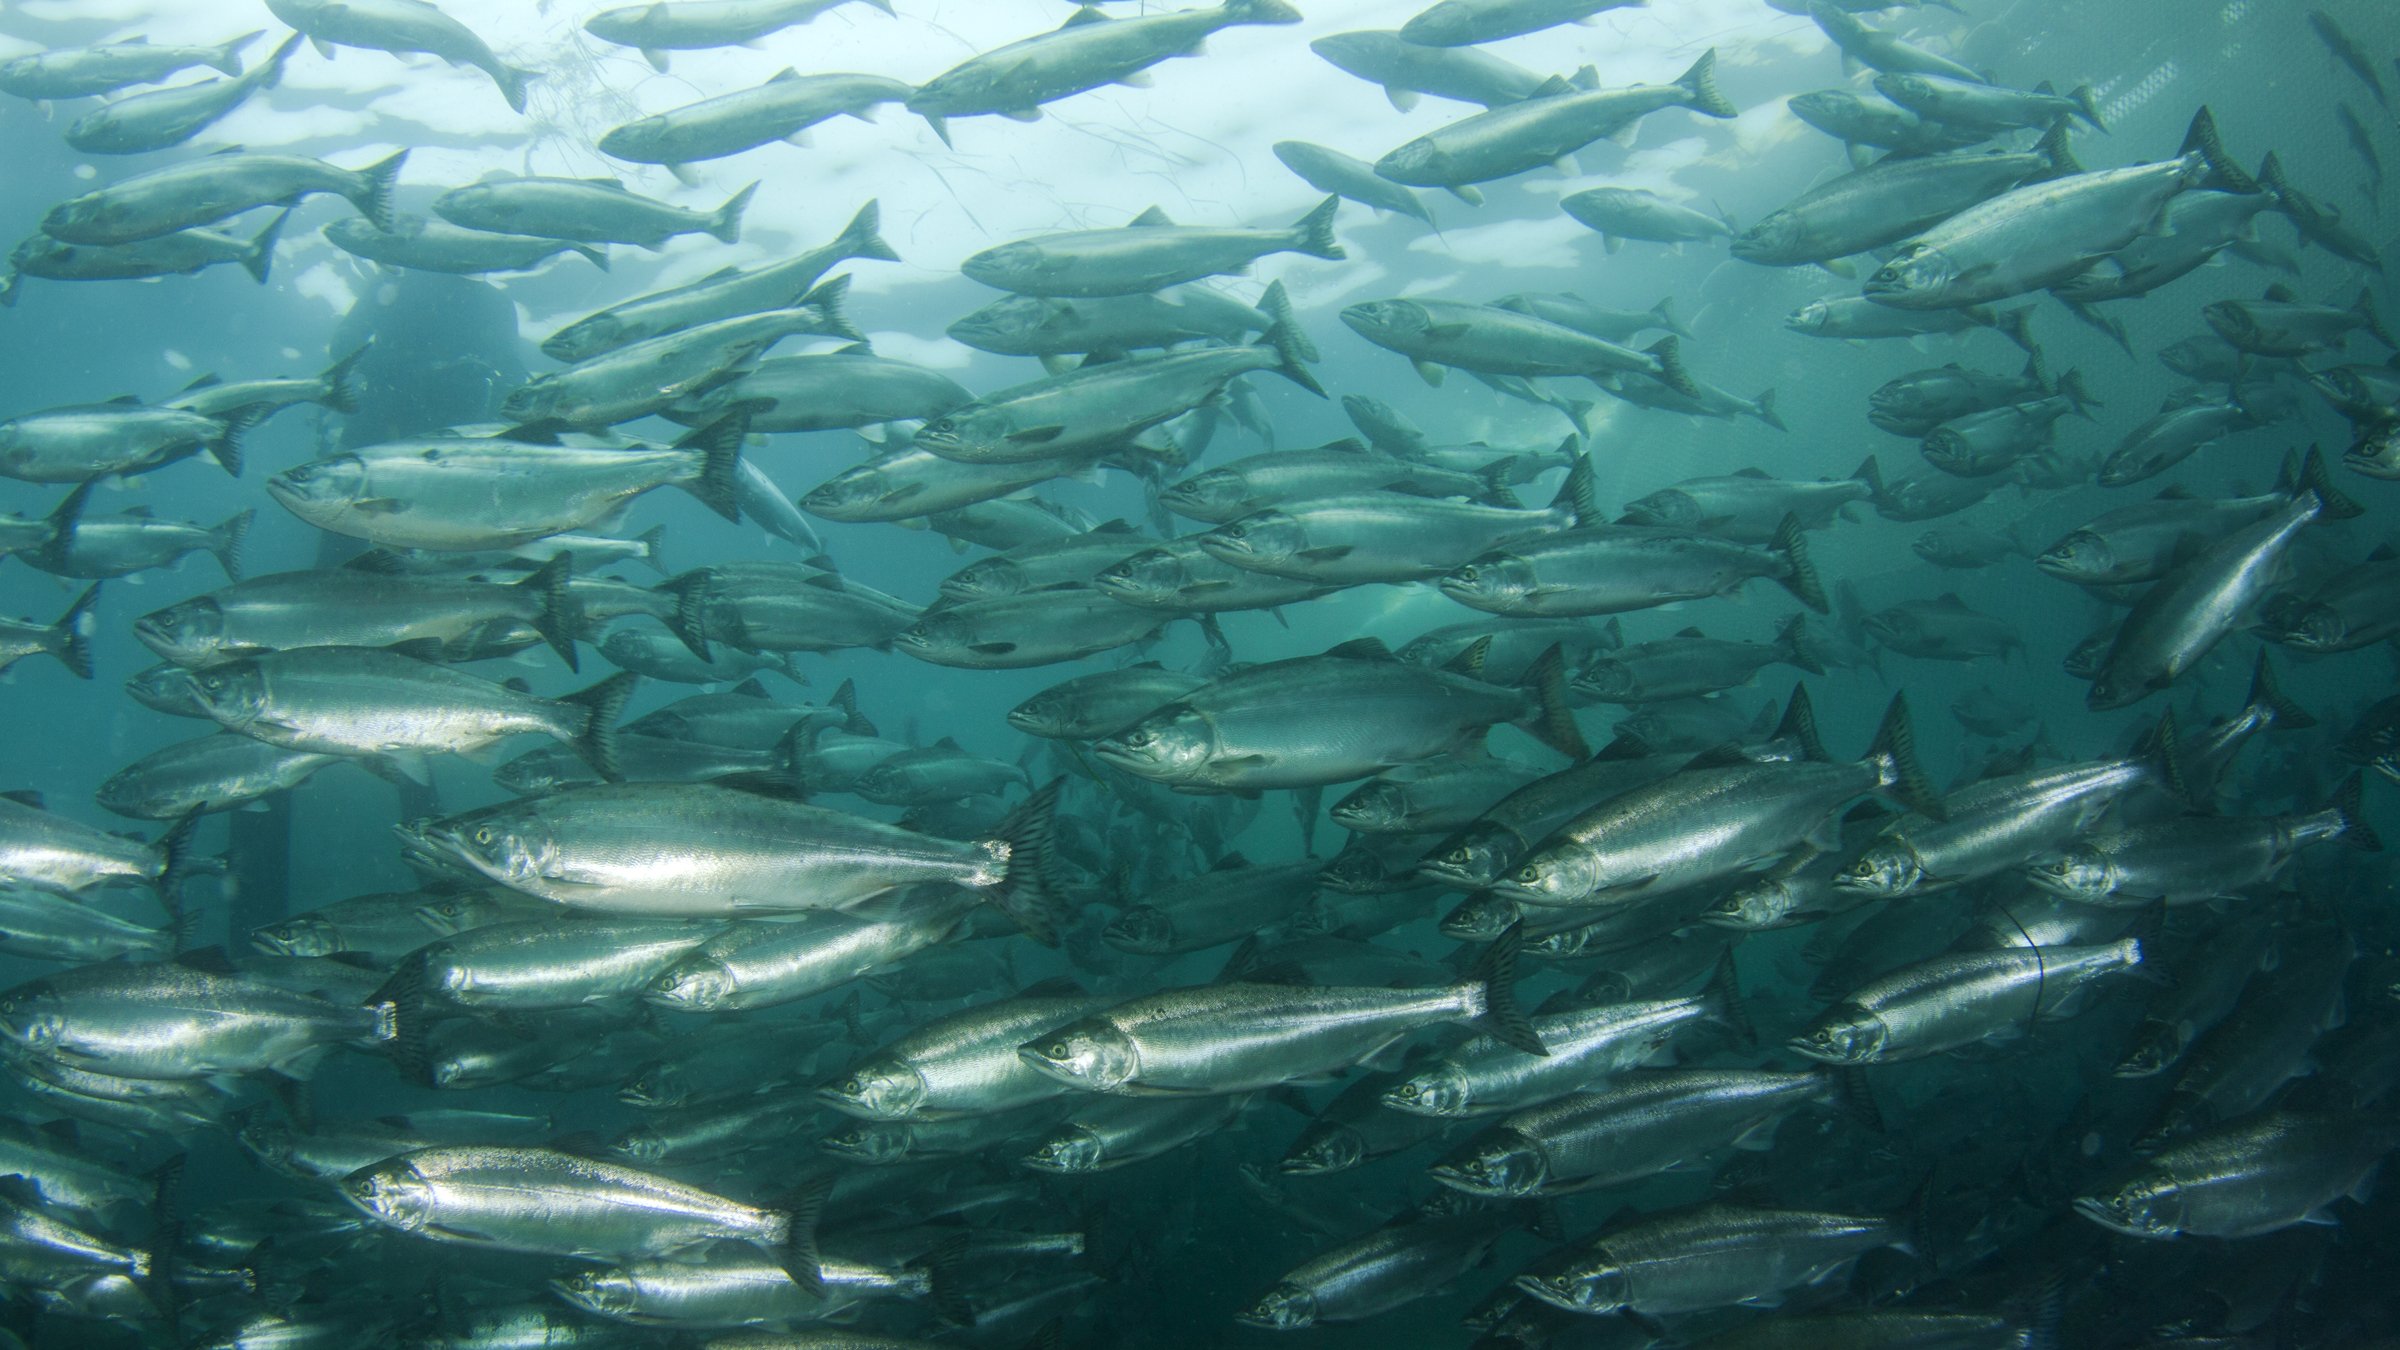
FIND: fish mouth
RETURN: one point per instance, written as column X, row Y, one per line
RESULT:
column 2098, row 1212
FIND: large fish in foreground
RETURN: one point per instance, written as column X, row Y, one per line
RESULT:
column 206, row 190
column 401, row 27
column 1149, row 254
column 657, row 29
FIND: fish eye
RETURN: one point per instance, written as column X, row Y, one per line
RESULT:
column 483, row 834
column 855, row 1085
column 1138, row 739
column 1467, row 573
column 1529, row 874
column 1056, row 1050
column 1235, row 532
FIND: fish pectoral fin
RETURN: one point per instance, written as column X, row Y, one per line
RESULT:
column 1327, row 553
column 1041, row 435
column 455, row 1234
column 380, row 506
column 992, row 648
column 1023, row 114
column 1429, row 372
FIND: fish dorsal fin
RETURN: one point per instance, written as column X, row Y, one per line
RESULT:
column 1469, row 661
column 2176, row 493
column 2281, row 294
column 1057, row 986
column 1348, row 445
column 1230, row 862
column 787, row 73
column 949, row 743
column 1119, row 526
column 751, row 688
column 1752, row 472
column 1555, row 85
column 204, row 382
column 1949, row 600
column 27, row 797
column 1691, row 632
column 855, row 349
column 140, row 511
column 2383, row 553
column 826, row 581
column 1154, row 218
column 1362, row 649
column 1719, row 757
column 613, row 184
column 1080, row 17
column 125, row 401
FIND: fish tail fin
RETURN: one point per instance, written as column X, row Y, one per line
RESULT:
column 67, row 640
column 2162, row 747
column 2058, row 150
column 942, row 1270
column 259, row 255
column 597, row 257
column 2017, row 326
column 1577, row 494
column 1025, row 892
column 513, row 81
column 1905, row 779
column 1763, row 408
column 690, row 622
column 718, row 484
column 226, row 540
column 2273, row 182
column 654, row 548
column 828, row 297
column 1791, row 645
column 1494, row 979
column 1725, row 990
column 559, row 614
column 1871, row 473
column 1276, row 304
column 855, row 723
column 1664, row 312
column 2347, row 802
column 1799, row 725
column 399, row 1008
column 374, row 199
column 176, row 861
column 1314, row 232
column 2223, row 173
column 1260, row 11
column 2281, row 713
column 227, row 449
column 2336, row 504
column 1800, row 575
column 2364, row 308
column 270, row 71
column 1668, row 352
column 2071, row 388
column 863, row 236
column 1555, row 724
column 596, row 740
column 1699, row 86
column 1291, row 349
column 1853, row 1095
column 228, row 58
column 342, row 383
column 726, row 224
column 797, row 1254
column 2087, row 107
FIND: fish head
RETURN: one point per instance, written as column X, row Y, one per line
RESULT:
column 1360, row 870
column 1559, row 876
column 655, row 1086
column 448, row 915
column 92, row 212
column 33, row 1015
column 537, row 400
column 1671, row 507
column 1286, row 1307
column 1844, row 1034
column 505, row 842
column 187, row 633
column 2312, row 627
column 2077, row 874
column 1144, row 929
column 1773, row 237
column 1324, row 1149
column 269, row 1141
column 1905, row 88
column 303, row 936
column 937, row 630
column 1380, row 807
column 1267, row 538
column 1948, row 451
column 2084, row 659
column 1170, row 745
column 984, row 579
column 2146, row 1207
column 2376, row 454
column 1825, row 109
column 846, row 494
column 1580, row 1282
column 694, row 984
column 1494, row 578
column 235, row 694
column 891, row 1092
column 1397, row 324
column 1151, row 573
column 1809, row 318
column 1016, row 326
column 1757, row 904
column 2114, row 686
column 1480, row 918
column 608, row 1292
column 1091, row 1054
column 2151, row 1055
column 1498, row 1162
column 166, row 688
column 2081, row 556
column 1605, row 680
column 2231, row 320
column 872, row 1142
column 1073, row 1149
column 1048, row 713
column 1914, row 270
column 640, row 1144
column 1421, row 162
column 1888, row 868
column 1473, row 859
column 392, row 1193
column 1213, row 495
column 320, row 489
column 1439, row 1091
column 1012, row 266
column 537, row 772
column 587, row 337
